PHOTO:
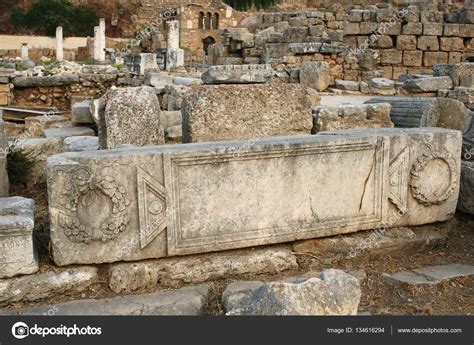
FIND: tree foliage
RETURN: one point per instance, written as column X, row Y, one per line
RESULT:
column 46, row 15
column 243, row 5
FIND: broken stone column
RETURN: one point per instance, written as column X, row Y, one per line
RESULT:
column 17, row 252
column 426, row 112
column 138, row 203
column 131, row 116
column 174, row 55
column 96, row 43
column 24, row 52
column 102, row 41
column 59, row 44
column 252, row 111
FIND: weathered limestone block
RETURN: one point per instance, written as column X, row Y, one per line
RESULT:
column 466, row 193
column 347, row 85
column 81, row 112
column 315, row 74
column 455, row 71
column 189, row 300
column 412, row 58
column 433, row 29
column 129, row 277
column 171, row 118
column 169, row 200
column 64, row 132
column 433, row 58
column 304, row 48
column 41, row 286
column 428, row 84
column 230, row 112
column 382, row 86
column 174, row 134
column 138, row 64
column 4, row 183
column 80, row 143
column 238, row 74
column 36, row 125
column 18, row 255
column 413, row 28
column 131, row 116
column 406, row 42
column 56, row 80
column 426, row 112
column 351, row 117
column 332, row 293
column 428, row 43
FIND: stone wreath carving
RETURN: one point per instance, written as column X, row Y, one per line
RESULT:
column 95, row 206
column 418, row 184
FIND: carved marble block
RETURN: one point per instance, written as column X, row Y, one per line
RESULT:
column 151, row 202
column 17, row 252
column 238, row 74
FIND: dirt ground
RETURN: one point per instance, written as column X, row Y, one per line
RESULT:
column 454, row 297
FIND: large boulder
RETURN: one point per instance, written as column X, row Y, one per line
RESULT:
column 315, row 74
column 333, row 293
column 131, row 116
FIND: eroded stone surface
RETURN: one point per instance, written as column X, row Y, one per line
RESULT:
column 253, row 111
column 238, row 74
column 316, row 75
column 466, row 193
column 131, row 116
column 45, row 285
column 171, row 200
column 430, row 275
column 184, row 301
column 351, row 117
column 127, row 277
column 333, row 293
column 17, row 253
column 80, row 143
column 429, row 84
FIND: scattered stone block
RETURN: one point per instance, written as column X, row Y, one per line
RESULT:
column 347, row 85
column 131, row 116
column 426, row 112
column 430, row 275
column 315, row 74
column 351, row 117
column 333, row 293
column 64, row 132
column 4, row 183
column 81, row 112
column 180, row 192
column 46, row 285
column 186, row 301
column 238, row 74
column 128, row 277
column 382, row 86
column 36, row 125
column 80, row 143
column 429, row 84
column 253, row 111
column 466, row 193
column 158, row 79
column 138, row 64
column 55, row 80
column 18, row 255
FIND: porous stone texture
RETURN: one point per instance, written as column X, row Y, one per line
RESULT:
column 4, row 183
column 171, row 118
column 128, row 277
column 428, row 84
column 238, row 74
column 234, row 292
column 55, row 80
column 376, row 243
column 185, row 301
column 174, row 134
column 64, row 132
column 81, row 143
column 18, row 255
column 466, row 193
column 172, row 200
column 36, row 125
column 430, row 275
column 382, row 86
column 351, row 117
column 316, row 75
column 41, row 286
column 347, row 85
column 253, row 111
column 81, row 112
column 131, row 116
column 426, row 112
column 333, row 293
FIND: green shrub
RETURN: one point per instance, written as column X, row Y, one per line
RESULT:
column 19, row 163
column 243, row 5
column 47, row 15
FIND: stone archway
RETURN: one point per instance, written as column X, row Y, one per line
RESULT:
column 207, row 42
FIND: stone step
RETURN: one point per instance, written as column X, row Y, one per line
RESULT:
column 430, row 275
